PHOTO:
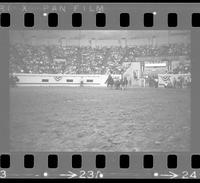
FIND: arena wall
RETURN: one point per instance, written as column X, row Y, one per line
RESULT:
column 62, row 80
column 165, row 79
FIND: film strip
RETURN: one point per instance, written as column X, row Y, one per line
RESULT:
column 124, row 20
column 76, row 19
column 99, row 91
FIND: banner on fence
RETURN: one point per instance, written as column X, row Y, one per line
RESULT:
column 166, row 79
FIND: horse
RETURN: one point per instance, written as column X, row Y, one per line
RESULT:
column 110, row 81
column 117, row 84
column 120, row 84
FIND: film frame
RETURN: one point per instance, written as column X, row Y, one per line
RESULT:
column 61, row 166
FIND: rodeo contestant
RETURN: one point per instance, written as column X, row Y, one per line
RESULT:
column 81, row 82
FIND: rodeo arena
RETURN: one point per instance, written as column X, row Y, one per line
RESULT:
column 100, row 90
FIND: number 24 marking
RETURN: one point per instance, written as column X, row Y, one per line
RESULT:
column 187, row 175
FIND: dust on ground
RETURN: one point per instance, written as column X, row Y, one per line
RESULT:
column 99, row 119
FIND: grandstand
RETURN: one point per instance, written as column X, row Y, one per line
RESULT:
column 94, row 57
column 84, row 60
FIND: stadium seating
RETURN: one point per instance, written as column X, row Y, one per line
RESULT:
column 83, row 60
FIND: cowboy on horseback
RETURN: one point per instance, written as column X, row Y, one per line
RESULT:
column 110, row 81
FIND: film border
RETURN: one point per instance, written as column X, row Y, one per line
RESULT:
column 184, row 17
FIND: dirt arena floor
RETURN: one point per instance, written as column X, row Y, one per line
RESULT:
column 99, row 119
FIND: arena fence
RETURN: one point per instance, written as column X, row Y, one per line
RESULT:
column 62, row 79
column 181, row 80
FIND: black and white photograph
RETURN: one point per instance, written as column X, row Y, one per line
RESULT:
column 100, row 90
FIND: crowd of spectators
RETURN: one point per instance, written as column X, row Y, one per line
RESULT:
column 182, row 69
column 57, row 59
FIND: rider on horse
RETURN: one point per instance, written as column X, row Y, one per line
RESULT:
column 109, row 81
